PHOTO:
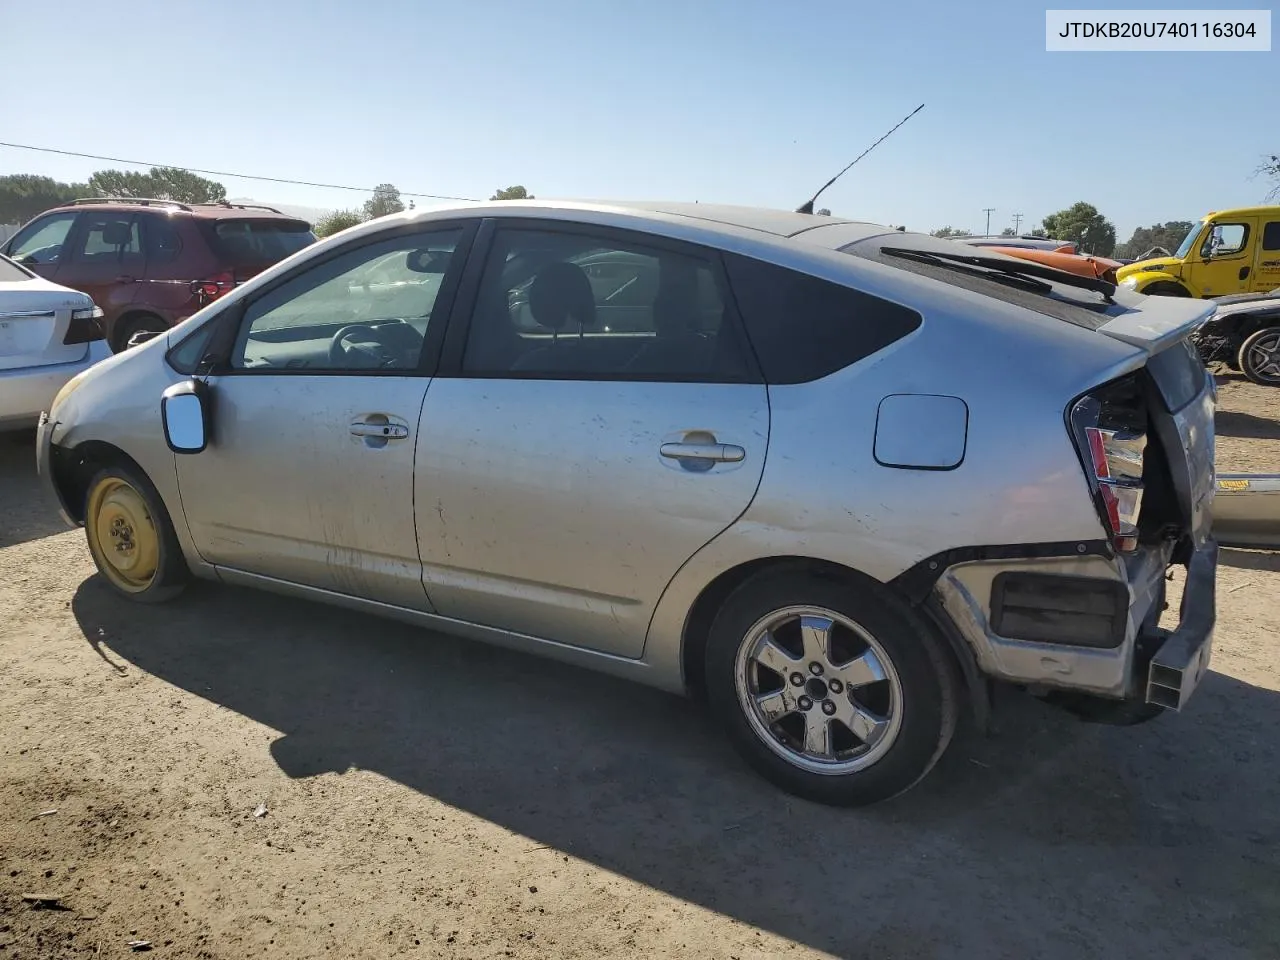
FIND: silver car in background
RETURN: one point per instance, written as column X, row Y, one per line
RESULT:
column 48, row 334
column 834, row 477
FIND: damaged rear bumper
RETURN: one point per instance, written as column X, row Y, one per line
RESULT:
column 1086, row 625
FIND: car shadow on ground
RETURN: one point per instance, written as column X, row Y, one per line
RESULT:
column 25, row 512
column 1065, row 826
column 1268, row 560
column 1249, row 426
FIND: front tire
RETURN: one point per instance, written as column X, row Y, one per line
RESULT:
column 131, row 537
column 1167, row 288
column 1259, row 356
column 831, row 689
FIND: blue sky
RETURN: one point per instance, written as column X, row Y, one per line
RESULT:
column 713, row 100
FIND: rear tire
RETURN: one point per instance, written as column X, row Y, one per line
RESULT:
column 1259, row 356
column 131, row 537
column 833, row 690
column 134, row 324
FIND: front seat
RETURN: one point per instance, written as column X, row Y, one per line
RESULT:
column 560, row 299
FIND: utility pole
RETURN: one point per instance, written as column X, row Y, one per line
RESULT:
column 1017, row 222
column 988, row 210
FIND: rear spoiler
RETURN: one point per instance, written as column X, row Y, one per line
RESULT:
column 1159, row 322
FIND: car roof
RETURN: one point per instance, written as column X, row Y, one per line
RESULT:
column 1267, row 210
column 208, row 211
column 716, row 220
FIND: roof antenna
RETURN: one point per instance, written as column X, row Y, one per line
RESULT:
column 807, row 206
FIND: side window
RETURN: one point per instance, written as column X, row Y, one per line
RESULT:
column 366, row 309
column 1228, row 238
column 804, row 328
column 1271, row 236
column 160, row 239
column 109, row 238
column 41, row 242
column 580, row 306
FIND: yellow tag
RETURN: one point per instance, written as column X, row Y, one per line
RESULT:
column 1233, row 484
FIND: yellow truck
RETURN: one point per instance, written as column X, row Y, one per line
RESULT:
column 1228, row 252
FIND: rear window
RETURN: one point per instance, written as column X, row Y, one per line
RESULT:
column 1084, row 308
column 10, row 272
column 257, row 243
column 803, row 327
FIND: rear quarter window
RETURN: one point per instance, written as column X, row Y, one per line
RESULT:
column 804, row 328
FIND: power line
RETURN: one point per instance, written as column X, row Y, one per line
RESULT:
column 988, row 211
column 224, row 173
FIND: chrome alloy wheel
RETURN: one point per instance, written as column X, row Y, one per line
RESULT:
column 1263, row 357
column 818, row 690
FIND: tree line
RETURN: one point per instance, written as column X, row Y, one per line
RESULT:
column 1093, row 233
column 386, row 200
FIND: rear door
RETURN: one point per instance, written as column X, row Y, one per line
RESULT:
column 1267, row 273
column 105, row 259
column 565, row 471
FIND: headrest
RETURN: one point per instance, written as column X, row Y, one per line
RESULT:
column 561, row 294
column 116, row 233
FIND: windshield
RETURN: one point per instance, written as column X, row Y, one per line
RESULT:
column 1184, row 248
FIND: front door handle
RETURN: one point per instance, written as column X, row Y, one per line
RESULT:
column 1244, row 273
column 379, row 430
column 125, row 278
column 710, row 452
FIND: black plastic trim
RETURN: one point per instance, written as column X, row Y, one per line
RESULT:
column 916, row 582
column 1044, row 593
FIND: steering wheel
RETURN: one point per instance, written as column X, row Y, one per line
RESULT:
column 340, row 355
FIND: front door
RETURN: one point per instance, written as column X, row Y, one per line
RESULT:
column 1267, row 272
column 1227, row 258
column 39, row 245
column 309, row 476
column 574, row 452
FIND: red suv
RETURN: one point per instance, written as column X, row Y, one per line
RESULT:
column 152, row 263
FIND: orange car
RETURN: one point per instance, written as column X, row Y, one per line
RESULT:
column 1078, row 263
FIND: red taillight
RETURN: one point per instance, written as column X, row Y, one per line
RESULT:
column 1115, row 453
column 214, row 287
column 85, row 326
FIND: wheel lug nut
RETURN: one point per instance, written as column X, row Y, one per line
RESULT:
column 835, row 686
column 797, row 680
column 815, row 668
column 805, row 703
column 828, row 707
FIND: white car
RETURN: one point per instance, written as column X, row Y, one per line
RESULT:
column 48, row 334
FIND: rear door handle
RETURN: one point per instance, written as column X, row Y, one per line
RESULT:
column 714, row 452
column 379, row 430
column 123, row 278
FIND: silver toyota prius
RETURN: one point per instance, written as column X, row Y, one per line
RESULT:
column 836, row 478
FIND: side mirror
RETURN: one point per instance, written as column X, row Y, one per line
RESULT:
column 184, row 410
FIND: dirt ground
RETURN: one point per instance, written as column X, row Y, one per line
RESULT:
column 430, row 797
